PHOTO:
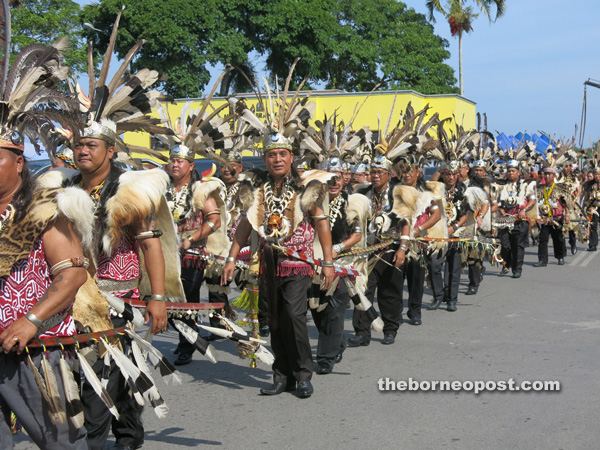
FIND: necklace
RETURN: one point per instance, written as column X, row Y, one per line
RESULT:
column 335, row 210
column 276, row 224
column 545, row 209
column 6, row 217
column 450, row 210
column 380, row 199
column 95, row 194
column 177, row 202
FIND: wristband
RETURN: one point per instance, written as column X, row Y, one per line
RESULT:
column 327, row 263
column 230, row 259
column 191, row 239
column 33, row 319
column 158, row 298
column 405, row 238
column 339, row 247
column 434, row 207
column 419, row 228
column 212, row 226
column 404, row 248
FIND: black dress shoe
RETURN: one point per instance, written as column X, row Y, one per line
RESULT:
column 435, row 304
column 388, row 339
column 323, row 370
column 592, row 249
column 451, row 306
column 561, row 261
column 540, row 264
column 276, row 389
column 516, row 274
column 264, row 331
column 339, row 357
column 416, row 321
column 471, row 291
column 183, row 358
column 304, row 389
column 573, row 249
column 358, row 341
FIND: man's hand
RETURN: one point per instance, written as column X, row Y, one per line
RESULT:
column 17, row 335
column 479, row 220
column 158, row 312
column 399, row 257
column 227, row 274
column 522, row 214
column 327, row 274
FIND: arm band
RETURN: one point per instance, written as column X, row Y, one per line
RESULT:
column 80, row 261
column 357, row 230
column 434, row 207
column 211, row 213
column 212, row 226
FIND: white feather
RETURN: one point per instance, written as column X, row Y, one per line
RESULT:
column 72, row 399
column 56, row 410
column 94, row 382
column 191, row 336
column 170, row 375
column 128, row 369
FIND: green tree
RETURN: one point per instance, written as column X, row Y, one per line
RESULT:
column 44, row 21
column 351, row 45
column 460, row 18
column 183, row 37
column 383, row 41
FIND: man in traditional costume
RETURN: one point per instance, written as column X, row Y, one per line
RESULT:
column 41, row 263
column 130, row 213
column 553, row 207
column 515, row 199
column 385, row 278
column 285, row 212
column 591, row 202
column 347, row 220
column 194, row 206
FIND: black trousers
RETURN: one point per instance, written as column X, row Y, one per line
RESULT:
column 217, row 297
column 475, row 264
column 558, row 240
column 128, row 430
column 388, row 282
column 513, row 245
column 289, row 331
column 330, row 323
column 594, row 231
column 445, row 278
column 572, row 238
column 192, row 282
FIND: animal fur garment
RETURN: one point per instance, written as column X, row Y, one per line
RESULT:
column 139, row 194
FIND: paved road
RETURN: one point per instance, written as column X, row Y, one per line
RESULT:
column 543, row 326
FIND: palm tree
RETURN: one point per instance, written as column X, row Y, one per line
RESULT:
column 460, row 18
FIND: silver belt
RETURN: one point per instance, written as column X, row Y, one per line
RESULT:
column 108, row 285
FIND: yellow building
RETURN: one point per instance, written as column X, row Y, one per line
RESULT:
column 378, row 103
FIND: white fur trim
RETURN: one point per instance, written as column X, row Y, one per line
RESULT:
column 78, row 207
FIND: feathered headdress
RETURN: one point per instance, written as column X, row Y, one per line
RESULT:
column 559, row 153
column 28, row 93
column 452, row 152
column 409, row 141
column 284, row 119
column 328, row 141
column 198, row 131
column 516, row 156
column 485, row 147
column 123, row 103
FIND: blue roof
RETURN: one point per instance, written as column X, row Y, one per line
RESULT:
column 541, row 142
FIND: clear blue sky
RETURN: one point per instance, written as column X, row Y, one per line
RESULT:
column 526, row 71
